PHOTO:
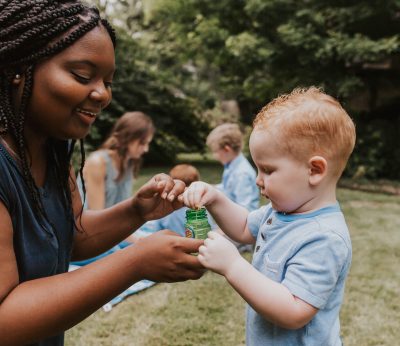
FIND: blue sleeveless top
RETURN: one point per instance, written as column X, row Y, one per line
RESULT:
column 39, row 253
column 115, row 191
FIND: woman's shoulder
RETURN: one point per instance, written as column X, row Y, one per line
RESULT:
column 97, row 158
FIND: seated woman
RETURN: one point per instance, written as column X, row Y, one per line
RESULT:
column 109, row 172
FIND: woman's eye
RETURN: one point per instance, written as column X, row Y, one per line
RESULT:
column 108, row 84
column 80, row 78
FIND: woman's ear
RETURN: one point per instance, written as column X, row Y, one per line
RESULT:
column 318, row 168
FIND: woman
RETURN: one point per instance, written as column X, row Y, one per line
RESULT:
column 56, row 66
column 109, row 171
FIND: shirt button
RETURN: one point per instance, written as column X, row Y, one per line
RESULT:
column 257, row 248
column 269, row 221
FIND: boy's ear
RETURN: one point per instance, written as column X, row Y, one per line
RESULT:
column 227, row 148
column 318, row 167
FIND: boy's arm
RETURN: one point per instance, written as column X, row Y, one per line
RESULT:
column 270, row 299
column 230, row 217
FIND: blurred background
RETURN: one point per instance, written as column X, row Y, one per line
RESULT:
column 192, row 64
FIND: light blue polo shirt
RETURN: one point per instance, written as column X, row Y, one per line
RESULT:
column 239, row 183
column 310, row 254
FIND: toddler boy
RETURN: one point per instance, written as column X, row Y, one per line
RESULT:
column 294, row 288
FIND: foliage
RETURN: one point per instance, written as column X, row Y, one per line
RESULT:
column 182, row 58
column 140, row 84
column 254, row 50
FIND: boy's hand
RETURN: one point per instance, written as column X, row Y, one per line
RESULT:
column 218, row 253
column 198, row 194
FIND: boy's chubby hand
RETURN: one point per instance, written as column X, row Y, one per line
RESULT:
column 218, row 253
column 198, row 194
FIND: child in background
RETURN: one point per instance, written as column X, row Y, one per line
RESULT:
column 176, row 220
column 110, row 171
column 239, row 177
column 300, row 144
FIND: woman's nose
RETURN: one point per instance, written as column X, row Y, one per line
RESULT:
column 101, row 94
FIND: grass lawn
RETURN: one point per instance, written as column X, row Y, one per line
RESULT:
column 208, row 312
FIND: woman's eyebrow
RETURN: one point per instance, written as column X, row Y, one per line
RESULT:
column 89, row 63
column 84, row 62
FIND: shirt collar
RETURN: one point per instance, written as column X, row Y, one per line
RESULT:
column 334, row 208
column 235, row 162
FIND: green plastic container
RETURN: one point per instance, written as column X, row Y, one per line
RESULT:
column 197, row 225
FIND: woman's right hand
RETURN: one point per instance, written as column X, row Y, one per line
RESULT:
column 167, row 257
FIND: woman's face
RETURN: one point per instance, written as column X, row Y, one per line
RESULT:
column 71, row 88
column 138, row 147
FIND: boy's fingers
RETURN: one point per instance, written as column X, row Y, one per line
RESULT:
column 201, row 258
column 213, row 235
column 202, row 249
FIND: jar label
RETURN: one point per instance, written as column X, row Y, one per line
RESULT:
column 189, row 232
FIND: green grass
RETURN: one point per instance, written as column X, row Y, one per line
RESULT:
column 208, row 312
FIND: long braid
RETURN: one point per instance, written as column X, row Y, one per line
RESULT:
column 31, row 30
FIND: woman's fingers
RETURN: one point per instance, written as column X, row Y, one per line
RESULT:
column 177, row 189
column 169, row 188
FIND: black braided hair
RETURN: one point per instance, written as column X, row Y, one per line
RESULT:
column 31, row 30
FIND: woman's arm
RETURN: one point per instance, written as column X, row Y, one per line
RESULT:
column 40, row 308
column 99, row 230
column 94, row 174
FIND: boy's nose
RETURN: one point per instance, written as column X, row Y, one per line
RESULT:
column 259, row 181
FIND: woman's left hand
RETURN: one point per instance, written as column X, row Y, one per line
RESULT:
column 158, row 197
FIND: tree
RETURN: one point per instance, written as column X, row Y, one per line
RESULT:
column 256, row 49
column 140, row 84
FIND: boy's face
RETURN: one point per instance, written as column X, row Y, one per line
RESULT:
column 281, row 178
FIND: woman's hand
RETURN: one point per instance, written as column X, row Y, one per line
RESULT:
column 158, row 197
column 166, row 257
